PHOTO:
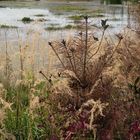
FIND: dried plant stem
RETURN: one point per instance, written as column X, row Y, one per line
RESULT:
column 6, row 55
column 73, row 57
column 128, row 18
column 21, row 63
column 105, row 62
column 17, row 115
column 115, row 48
column 73, row 66
column 30, row 117
column 69, row 57
column 99, row 46
column 21, row 59
column 85, row 50
column 49, row 80
column 58, row 56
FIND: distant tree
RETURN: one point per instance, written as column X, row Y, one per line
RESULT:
column 115, row 1
column 112, row 1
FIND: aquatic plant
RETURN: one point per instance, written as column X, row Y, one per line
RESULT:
column 8, row 27
column 39, row 15
column 27, row 20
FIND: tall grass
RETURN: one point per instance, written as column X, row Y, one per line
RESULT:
column 135, row 25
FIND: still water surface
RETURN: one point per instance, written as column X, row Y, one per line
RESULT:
column 11, row 13
column 35, row 34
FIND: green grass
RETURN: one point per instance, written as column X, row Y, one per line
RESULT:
column 40, row 15
column 76, row 17
column 96, row 15
column 52, row 28
column 80, row 17
column 69, row 26
column 69, row 8
column 4, row 26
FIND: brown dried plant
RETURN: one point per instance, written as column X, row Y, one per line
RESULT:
column 134, row 18
column 84, row 59
column 124, row 103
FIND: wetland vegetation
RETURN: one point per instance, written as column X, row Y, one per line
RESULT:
column 69, row 70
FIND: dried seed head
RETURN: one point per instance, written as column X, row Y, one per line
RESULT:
column 86, row 17
column 50, row 43
column 104, row 24
column 63, row 42
column 80, row 33
column 95, row 38
column 59, row 74
column 119, row 36
column 40, row 71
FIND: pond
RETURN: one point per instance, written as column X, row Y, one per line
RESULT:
column 32, row 24
column 57, row 19
column 46, row 16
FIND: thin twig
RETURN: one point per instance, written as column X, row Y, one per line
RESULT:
column 85, row 50
column 57, row 54
column 99, row 46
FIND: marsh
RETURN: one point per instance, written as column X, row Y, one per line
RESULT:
column 33, row 23
column 57, row 13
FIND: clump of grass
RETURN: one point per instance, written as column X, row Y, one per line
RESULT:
column 27, row 20
column 69, row 8
column 69, row 26
column 52, row 28
column 5, row 106
column 80, row 17
column 76, row 17
column 96, row 15
column 40, row 15
column 4, row 26
column 72, row 27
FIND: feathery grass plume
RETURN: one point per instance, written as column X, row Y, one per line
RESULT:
column 96, row 109
column 2, row 116
column 34, row 103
